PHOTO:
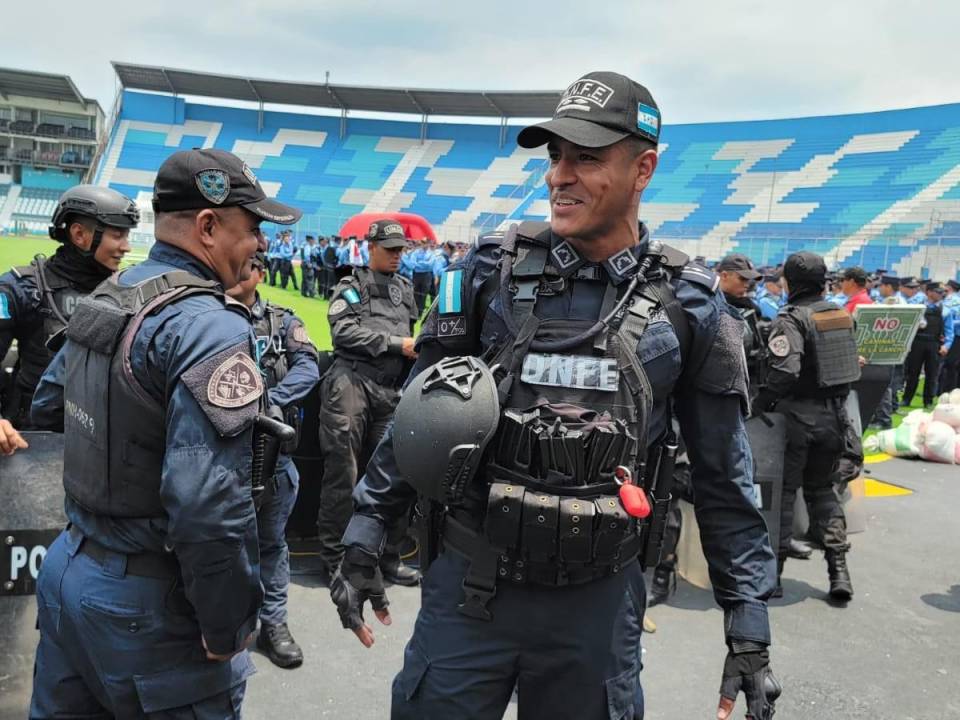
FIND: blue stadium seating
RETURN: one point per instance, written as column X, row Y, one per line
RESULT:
column 877, row 189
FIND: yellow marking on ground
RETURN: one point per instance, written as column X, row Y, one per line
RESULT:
column 878, row 488
column 877, row 458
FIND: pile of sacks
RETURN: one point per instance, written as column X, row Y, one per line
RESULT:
column 933, row 436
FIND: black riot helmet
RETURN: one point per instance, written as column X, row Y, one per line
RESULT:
column 444, row 421
column 106, row 207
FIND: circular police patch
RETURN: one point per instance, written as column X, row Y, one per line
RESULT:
column 779, row 346
column 396, row 295
column 338, row 306
column 235, row 382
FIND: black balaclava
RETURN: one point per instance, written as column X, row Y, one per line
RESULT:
column 806, row 275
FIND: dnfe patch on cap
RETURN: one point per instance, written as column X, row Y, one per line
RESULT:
column 584, row 94
column 214, row 185
column 235, row 382
column 393, row 229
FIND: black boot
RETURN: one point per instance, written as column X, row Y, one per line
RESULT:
column 664, row 584
column 799, row 549
column 778, row 591
column 840, row 586
column 278, row 645
column 396, row 573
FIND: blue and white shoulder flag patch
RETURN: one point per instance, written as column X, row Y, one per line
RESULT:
column 5, row 308
column 450, row 290
column 351, row 296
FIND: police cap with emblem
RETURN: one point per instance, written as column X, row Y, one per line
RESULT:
column 739, row 264
column 387, row 234
column 890, row 280
column 209, row 178
column 953, row 285
column 910, row 282
column 935, row 287
column 599, row 109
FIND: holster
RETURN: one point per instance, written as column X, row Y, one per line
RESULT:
column 269, row 434
column 430, row 518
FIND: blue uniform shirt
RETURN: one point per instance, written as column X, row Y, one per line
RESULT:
column 209, row 520
column 770, row 305
column 440, row 263
column 285, row 251
column 707, row 403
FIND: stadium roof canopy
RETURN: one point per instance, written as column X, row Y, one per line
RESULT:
column 417, row 101
column 28, row 83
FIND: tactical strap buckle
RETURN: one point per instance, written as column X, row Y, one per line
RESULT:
column 475, row 600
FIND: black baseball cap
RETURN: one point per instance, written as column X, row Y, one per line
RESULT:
column 387, row 234
column 597, row 110
column 209, row 178
column 805, row 267
column 740, row 264
column 857, row 274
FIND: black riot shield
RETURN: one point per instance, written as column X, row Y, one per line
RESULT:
column 767, row 433
column 31, row 517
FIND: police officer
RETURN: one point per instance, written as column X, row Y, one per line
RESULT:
column 589, row 328
column 950, row 373
column 36, row 301
column 273, row 259
column 371, row 315
column 421, row 261
column 932, row 342
column 285, row 254
column 147, row 600
column 309, row 264
column 772, row 299
column 812, row 362
column 288, row 364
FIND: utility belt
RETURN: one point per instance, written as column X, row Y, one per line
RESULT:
column 373, row 372
column 161, row 566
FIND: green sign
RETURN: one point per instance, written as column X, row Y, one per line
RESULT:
column 885, row 332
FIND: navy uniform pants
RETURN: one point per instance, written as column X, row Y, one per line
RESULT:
column 114, row 645
column 274, row 553
column 814, row 443
column 572, row 652
column 924, row 355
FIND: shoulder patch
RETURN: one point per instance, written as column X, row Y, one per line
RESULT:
column 337, row 308
column 779, row 346
column 300, row 334
column 701, row 276
column 351, row 296
column 5, row 313
column 450, row 291
column 226, row 386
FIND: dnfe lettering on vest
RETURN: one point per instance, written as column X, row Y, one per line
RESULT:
column 571, row 371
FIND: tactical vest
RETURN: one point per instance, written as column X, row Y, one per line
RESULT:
column 385, row 307
column 57, row 301
column 830, row 360
column 576, row 404
column 114, row 430
column 271, row 358
column 934, row 328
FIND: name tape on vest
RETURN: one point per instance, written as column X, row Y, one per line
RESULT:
column 571, row 371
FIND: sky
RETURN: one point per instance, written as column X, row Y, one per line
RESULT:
column 703, row 61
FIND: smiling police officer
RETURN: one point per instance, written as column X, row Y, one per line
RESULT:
column 558, row 358
column 37, row 300
column 147, row 600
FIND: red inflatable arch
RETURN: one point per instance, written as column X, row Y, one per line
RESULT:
column 414, row 226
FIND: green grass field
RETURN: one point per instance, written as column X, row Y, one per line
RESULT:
column 313, row 312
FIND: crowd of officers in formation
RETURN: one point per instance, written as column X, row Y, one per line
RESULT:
column 589, row 366
column 325, row 260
